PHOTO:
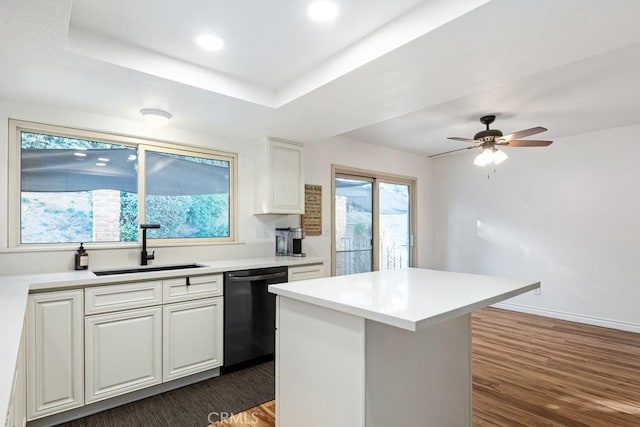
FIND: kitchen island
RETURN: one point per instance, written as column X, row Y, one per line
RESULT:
column 381, row 348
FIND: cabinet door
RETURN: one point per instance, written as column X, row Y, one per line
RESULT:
column 279, row 177
column 54, row 350
column 192, row 337
column 287, row 178
column 123, row 352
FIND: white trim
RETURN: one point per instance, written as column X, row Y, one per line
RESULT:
column 572, row 317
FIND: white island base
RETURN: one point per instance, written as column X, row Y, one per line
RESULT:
column 411, row 366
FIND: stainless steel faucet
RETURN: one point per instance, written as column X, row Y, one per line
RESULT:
column 144, row 257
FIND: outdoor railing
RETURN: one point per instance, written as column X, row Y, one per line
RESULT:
column 355, row 255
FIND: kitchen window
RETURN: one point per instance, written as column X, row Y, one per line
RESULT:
column 73, row 186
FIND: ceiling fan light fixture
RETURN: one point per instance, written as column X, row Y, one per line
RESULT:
column 155, row 117
column 484, row 158
column 499, row 156
column 488, row 138
column 490, row 155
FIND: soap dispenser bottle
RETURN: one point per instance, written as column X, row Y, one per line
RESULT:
column 82, row 258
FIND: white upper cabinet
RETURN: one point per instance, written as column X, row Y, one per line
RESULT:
column 279, row 177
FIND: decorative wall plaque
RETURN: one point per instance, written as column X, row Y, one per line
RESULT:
column 312, row 218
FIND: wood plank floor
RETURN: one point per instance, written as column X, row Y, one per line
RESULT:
column 260, row 416
column 536, row 371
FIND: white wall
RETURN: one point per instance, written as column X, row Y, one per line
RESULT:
column 567, row 215
column 318, row 159
column 319, row 156
column 21, row 262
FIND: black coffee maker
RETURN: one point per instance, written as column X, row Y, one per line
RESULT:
column 296, row 234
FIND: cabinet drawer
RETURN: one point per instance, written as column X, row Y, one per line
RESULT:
column 188, row 288
column 101, row 299
column 304, row 272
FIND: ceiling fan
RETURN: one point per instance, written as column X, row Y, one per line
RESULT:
column 489, row 139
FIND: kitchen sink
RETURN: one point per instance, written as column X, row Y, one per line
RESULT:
column 146, row 269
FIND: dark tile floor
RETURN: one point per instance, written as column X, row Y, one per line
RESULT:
column 197, row 405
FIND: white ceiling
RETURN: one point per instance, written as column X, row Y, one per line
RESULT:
column 404, row 74
column 268, row 42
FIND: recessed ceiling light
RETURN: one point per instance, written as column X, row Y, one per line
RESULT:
column 101, row 164
column 103, row 159
column 209, row 42
column 322, row 10
column 80, row 154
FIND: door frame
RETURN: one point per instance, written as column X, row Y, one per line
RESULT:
column 375, row 177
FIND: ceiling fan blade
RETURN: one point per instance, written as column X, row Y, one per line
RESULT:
column 452, row 151
column 527, row 143
column 455, row 138
column 522, row 133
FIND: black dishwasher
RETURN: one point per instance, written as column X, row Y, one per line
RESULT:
column 250, row 316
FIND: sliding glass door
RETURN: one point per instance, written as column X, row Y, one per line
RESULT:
column 395, row 226
column 353, row 230
column 372, row 221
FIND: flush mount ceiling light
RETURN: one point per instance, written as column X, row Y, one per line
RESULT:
column 322, row 10
column 209, row 42
column 154, row 117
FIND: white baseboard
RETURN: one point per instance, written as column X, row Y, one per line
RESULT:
column 606, row 323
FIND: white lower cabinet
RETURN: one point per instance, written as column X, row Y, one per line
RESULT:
column 17, row 416
column 54, row 353
column 123, row 352
column 192, row 337
column 123, row 340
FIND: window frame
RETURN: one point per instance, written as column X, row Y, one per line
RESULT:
column 141, row 144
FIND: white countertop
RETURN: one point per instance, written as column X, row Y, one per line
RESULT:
column 410, row 298
column 84, row 278
column 15, row 289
